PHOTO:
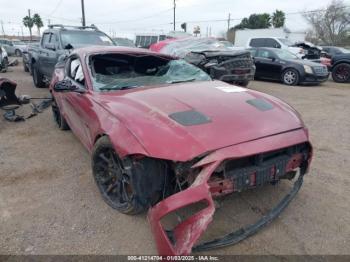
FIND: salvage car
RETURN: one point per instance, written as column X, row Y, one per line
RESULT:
column 164, row 136
column 212, row 56
column 341, row 67
column 282, row 65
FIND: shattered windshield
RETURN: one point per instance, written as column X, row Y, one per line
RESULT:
column 123, row 71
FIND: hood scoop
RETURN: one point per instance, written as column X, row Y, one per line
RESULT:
column 190, row 118
column 260, row 104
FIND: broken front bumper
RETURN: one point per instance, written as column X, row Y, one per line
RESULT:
column 184, row 236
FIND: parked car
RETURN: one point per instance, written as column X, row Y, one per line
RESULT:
column 19, row 47
column 276, row 42
column 212, row 56
column 58, row 41
column 124, row 42
column 4, row 60
column 164, row 136
column 282, row 65
column 335, row 50
column 341, row 67
column 8, row 46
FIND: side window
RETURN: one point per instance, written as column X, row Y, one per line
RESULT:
column 46, row 39
column 252, row 52
column 54, row 40
column 264, row 54
column 272, row 43
column 75, row 71
column 257, row 42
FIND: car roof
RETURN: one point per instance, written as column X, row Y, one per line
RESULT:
column 91, row 50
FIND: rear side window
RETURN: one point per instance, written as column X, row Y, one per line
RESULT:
column 257, row 42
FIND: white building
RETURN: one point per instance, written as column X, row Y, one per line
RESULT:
column 242, row 36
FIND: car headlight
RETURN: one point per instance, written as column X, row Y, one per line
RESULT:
column 308, row 69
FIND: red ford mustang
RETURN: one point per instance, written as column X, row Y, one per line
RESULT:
column 163, row 136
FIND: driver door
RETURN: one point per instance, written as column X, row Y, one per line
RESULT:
column 78, row 105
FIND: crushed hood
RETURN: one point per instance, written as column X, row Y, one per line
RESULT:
column 228, row 115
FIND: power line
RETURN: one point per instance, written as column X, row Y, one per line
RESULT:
column 56, row 7
column 134, row 20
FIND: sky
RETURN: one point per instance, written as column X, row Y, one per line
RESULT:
column 125, row 18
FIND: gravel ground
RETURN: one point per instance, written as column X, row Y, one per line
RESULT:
column 49, row 203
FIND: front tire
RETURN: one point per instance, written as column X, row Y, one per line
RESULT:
column 128, row 185
column 58, row 118
column 290, row 77
column 38, row 78
column 341, row 73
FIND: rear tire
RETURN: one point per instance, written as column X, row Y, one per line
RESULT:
column 341, row 73
column 5, row 64
column 290, row 77
column 58, row 118
column 25, row 67
column 130, row 186
column 18, row 53
column 38, row 78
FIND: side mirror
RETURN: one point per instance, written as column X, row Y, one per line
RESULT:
column 50, row 46
column 64, row 86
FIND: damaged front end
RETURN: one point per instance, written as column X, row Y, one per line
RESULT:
column 229, row 66
column 222, row 172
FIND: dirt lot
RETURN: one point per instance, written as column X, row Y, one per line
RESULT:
column 49, row 203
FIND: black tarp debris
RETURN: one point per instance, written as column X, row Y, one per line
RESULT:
column 9, row 102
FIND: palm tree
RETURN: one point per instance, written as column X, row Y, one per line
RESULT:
column 28, row 22
column 38, row 22
column 278, row 18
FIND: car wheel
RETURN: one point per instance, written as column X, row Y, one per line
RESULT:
column 38, row 78
column 341, row 73
column 290, row 77
column 25, row 67
column 58, row 118
column 243, row 83
column 129, row 186
column 18, row 53
column 5, row 64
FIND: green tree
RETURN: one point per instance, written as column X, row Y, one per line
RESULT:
column 255, row 21
column 28, row 22
column 38, row 22
column 278, row 19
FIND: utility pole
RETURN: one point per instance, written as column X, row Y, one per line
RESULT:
column 228, row 21
column 174, row 13
column 83, row 13
column 30, row 28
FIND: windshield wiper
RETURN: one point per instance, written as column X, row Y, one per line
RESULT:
column 118, row 87
column 181, row 81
